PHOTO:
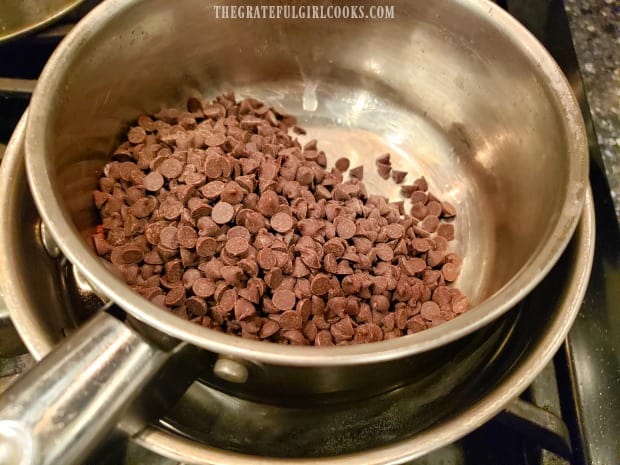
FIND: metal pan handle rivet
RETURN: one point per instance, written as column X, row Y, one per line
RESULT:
column 49, row 244
column 230, row 370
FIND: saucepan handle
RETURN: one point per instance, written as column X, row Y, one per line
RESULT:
column 65, row 405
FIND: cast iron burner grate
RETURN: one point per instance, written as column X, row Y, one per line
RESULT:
column 570, row 415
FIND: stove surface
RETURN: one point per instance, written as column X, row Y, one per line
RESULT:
column 580, row 390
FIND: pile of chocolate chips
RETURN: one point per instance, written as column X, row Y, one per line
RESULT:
column 219, row 215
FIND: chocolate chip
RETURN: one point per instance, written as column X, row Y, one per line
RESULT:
column 222, row 212
column 174, row 297
column 290, row 320
column 446, row 230
column 346, row 228
column 320, row 284
column 398, row 176
column 384, row 252
column 394, row 231
column 419, row 210
column 421, row 184
column 153, row 181
column 282, row 222
column 266, row 259
column 460, row 305
column 384, row 159
column 171, row 168
column 434, row 257
column 342, row 330
column 215, row 139
column 420, row 245
column 196, row 305
column 430, row 223
column 342, row 164
column 323, row 339
column 203, row 287
column 227, row 300
column 357, row 172
column 284, row 299
column 237, row 246
column 187, row 237
column 433, row 208
column 450, row 272
column 127, row 254
column 244, row 309
column 430, row 310
column 448, row 210
column 206, row 246
column 384, row 170
column 268, row 203
column 171, row 209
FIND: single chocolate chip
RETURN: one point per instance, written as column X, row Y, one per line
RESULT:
column 460, row 305
column 171, row 209
column 435, row 257
column 446, row 230
column 420, row 245
column 227, row 300
column 342, row 164
column 447, row 210
column 171, row 168
column 266, row 259
column 430, row 223
column 384, row 170
column 136, row 135
column 394, row 231
column 206, row 246
column 433, row 208
column 290, row 320
column 346, row 228
column 398, row 176
column 187, row 237
column 357, row 172
column 174, row 297
column 237, row 246
column 384, row 159
column 421, row 183
column 127, row 254
column 384, row 252
column 269, row 328
column 324, row 339
column 429, row 310
column 320, row 284
column 196, row 305
column 284, row 299
column 282, row 222
column 244, row 309
column 222, row 213
column 268, row 203
column 203, row 287
column 153, row 181
column 450, row 272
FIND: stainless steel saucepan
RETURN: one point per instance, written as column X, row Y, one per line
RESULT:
column 455, row 90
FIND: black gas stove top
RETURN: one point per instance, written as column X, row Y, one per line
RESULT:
column 571, row 414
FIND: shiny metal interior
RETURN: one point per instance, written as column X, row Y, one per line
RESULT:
column 455, row 90
column 210, row 426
